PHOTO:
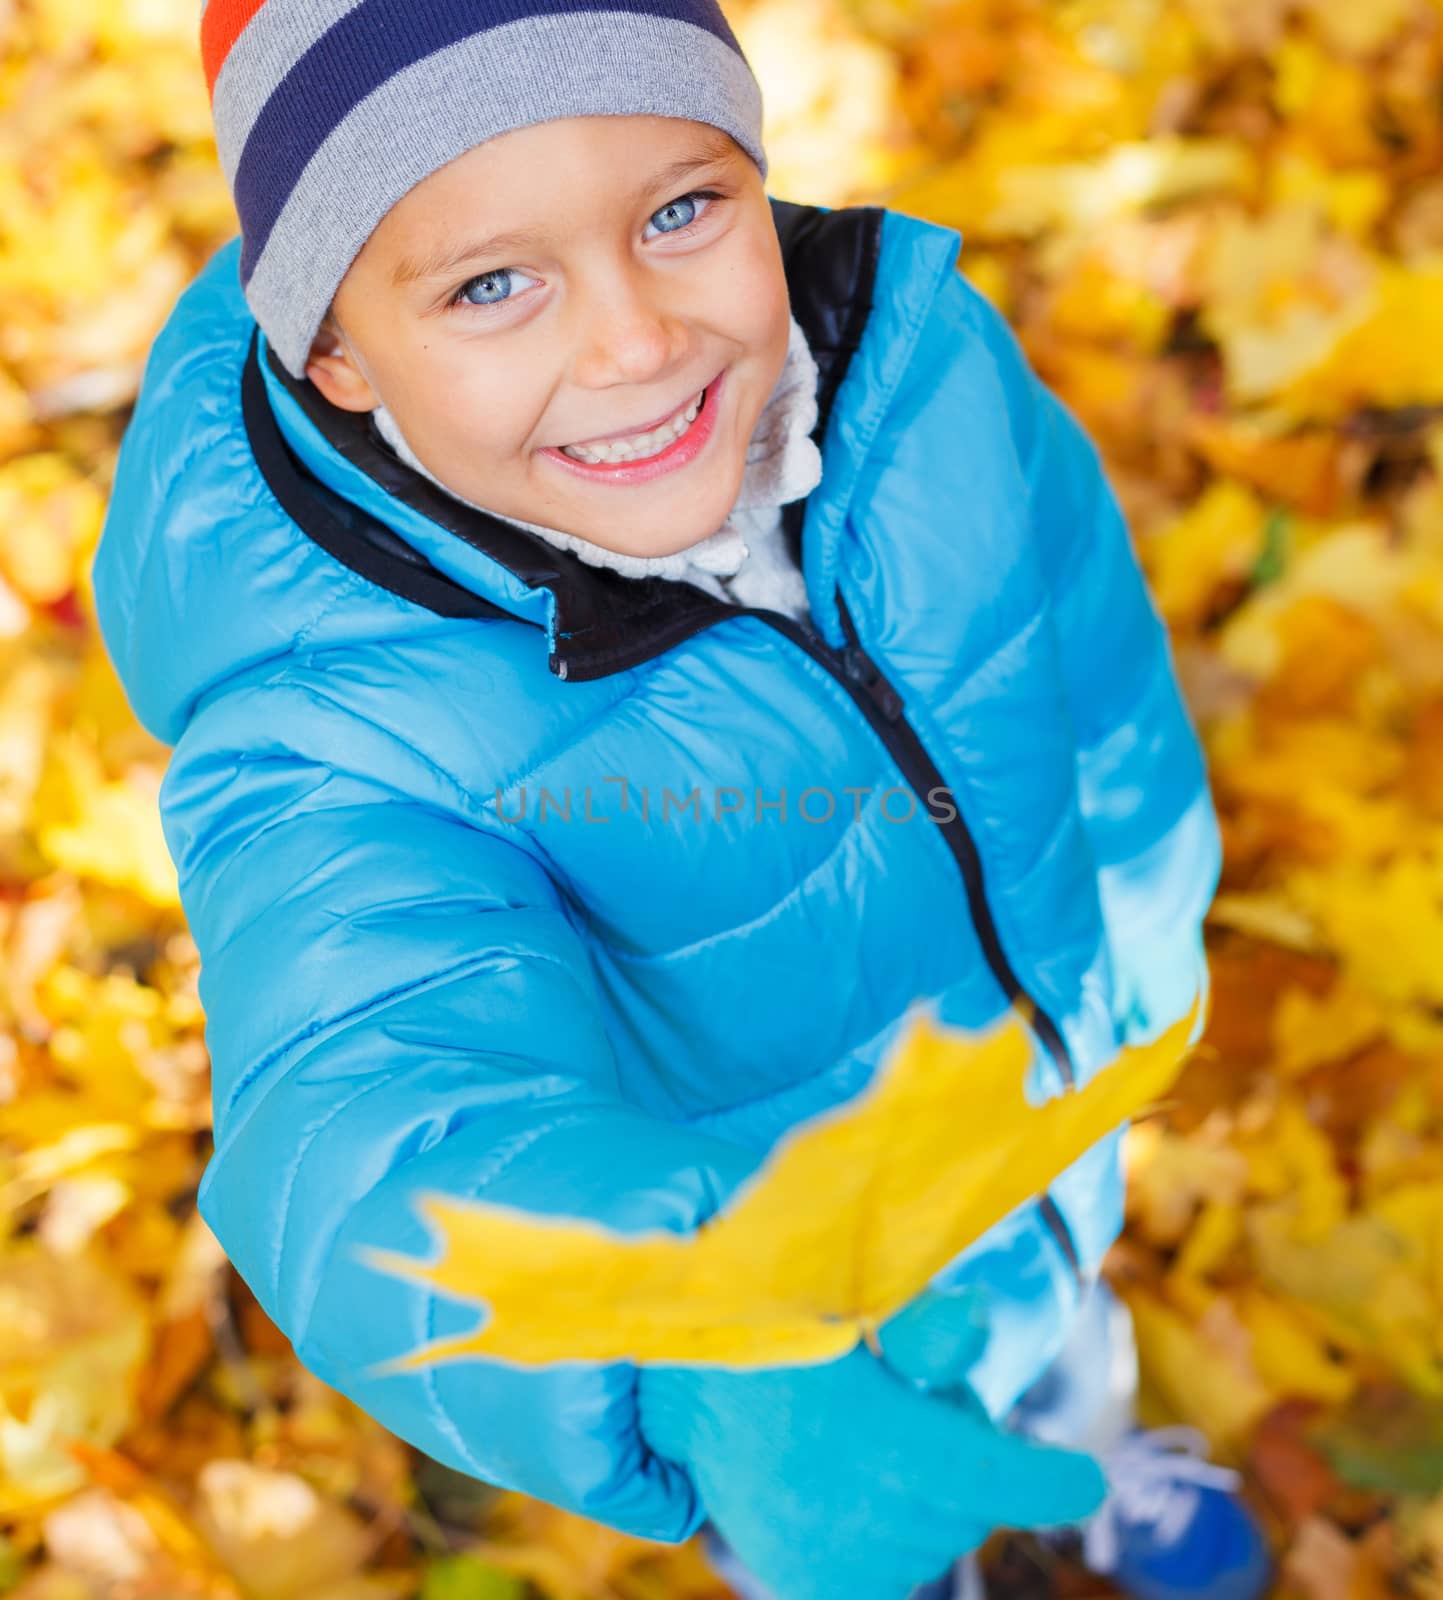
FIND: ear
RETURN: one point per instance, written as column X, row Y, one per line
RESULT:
column 333, row 369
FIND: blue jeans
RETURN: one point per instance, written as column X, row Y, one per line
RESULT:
column 1084, row 1401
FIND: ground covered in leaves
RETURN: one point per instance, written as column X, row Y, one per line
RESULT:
column 1218, row 227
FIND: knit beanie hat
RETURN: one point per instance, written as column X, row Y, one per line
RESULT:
column 327, row 112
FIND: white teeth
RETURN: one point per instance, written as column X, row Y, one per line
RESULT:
column 637, row 446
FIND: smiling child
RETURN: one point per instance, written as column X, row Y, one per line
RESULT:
column 523, row 449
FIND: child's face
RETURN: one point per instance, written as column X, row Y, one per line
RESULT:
column 626, row 296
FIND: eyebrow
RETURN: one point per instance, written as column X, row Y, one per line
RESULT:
column 441, row 262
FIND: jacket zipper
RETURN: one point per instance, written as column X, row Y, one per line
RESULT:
column 878, row 700
column 883, row 707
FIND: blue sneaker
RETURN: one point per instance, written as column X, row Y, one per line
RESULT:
column 1173, row 1526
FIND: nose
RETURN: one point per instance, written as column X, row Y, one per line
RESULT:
column 627, row 331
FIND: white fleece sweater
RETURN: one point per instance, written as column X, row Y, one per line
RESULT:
column 746, row 561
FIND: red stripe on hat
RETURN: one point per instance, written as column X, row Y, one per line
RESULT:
column 222, row 25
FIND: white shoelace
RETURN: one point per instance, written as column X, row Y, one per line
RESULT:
column 1149, row 1484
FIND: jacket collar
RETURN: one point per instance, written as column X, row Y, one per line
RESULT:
column 343, row 486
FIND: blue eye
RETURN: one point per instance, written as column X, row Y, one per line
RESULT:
column 682, row 211
column 494, row 288
column 479, row 293
column 497, row 275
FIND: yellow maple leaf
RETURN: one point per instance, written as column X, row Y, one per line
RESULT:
column 1380, row 354
column 1200, row 1368
column 849, row 1217
column 100, row 827
column 1216, row 540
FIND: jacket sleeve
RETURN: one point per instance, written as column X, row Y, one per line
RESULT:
column 396, row 1001
column 1142, row 777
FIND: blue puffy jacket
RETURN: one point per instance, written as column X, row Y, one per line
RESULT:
column 420, row 974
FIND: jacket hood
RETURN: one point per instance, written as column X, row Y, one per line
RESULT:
column 207, row 568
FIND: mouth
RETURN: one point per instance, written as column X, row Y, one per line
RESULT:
column 637, row 457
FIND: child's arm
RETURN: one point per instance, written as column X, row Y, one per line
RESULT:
column 396, row 1001
column 1141, row 772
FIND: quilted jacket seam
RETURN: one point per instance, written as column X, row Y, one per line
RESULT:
column 350, row 581
column 574, row 737
column 292, row 678
column 653, row 958
column 278, row 1239
column 362, row 1013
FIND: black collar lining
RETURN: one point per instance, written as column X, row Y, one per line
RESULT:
column 605, row 622
column 341, row 529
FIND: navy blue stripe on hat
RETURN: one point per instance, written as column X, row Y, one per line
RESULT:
column 366, row 48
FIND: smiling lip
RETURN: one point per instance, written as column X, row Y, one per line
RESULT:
column 676, row 455
column 641, row 427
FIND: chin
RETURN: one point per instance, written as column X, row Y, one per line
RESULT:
column 704, row 516
column 664, row 532
column 648, row 549
column 670, row 543
column 667, row 536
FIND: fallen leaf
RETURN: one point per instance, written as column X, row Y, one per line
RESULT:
column 848, row 1219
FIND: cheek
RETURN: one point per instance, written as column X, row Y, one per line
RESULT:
column 475, row 416
column 757, row 293
column 762, row 323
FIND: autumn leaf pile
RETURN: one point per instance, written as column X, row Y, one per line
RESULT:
column 1218, row 227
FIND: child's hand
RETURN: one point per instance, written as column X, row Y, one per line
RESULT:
column 844, row 1479
column 935, row 1338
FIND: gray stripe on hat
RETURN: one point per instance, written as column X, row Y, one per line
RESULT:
column 534, row 70
column 271, row 43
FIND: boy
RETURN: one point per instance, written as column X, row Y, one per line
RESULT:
column 458, row 488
